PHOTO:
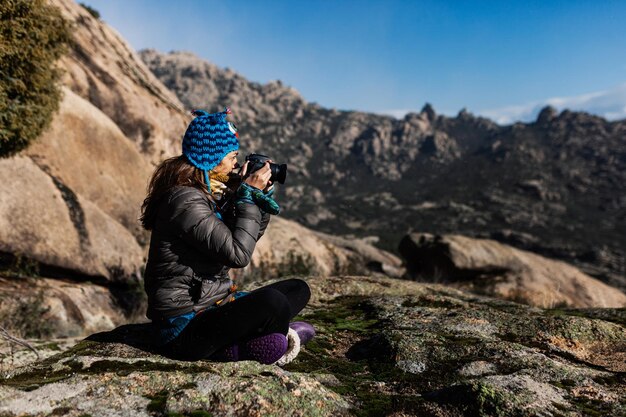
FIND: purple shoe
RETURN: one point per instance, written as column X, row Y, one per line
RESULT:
column 264, row 349
column 305, row 331
column 227, row 354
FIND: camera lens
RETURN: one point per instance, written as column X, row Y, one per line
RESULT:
column 279, row 173
column 257, row 161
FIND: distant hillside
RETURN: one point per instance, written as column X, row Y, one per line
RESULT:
column 555, row 186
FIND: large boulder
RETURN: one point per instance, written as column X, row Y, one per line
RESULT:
column 488, row 267
column 57, row 308
column 101, row 67
column 376, row 259
column 383, row 347
column 85, row 150
column 288, row 248
column 42, row 219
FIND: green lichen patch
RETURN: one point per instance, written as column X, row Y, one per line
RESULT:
column 615, row 315
column 477, row 400
column 123, row 368
column 158, row 403
column 347, row 313
column 195, row 413
column 597, row 407
column 38, row 376
column 42, row 375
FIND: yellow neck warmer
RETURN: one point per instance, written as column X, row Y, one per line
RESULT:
column 218, row 186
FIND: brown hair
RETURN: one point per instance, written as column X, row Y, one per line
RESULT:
column 171, row 172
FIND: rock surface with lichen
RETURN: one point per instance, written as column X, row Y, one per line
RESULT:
column 384, row 347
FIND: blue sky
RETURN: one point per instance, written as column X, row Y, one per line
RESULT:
column 501, row 59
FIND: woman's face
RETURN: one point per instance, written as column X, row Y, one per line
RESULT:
column 228, row 163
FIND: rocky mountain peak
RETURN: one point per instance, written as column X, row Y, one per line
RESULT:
column 207, row 85
column 429, row 111
column 547, row 114
column 464, row 114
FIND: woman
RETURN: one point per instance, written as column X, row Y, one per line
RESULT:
column 192, row 302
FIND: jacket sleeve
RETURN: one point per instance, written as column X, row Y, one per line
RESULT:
column 265, row 219
column 193, row 219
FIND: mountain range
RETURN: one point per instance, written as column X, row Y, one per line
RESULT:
column 556, row 186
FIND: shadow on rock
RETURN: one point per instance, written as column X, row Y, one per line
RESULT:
column 140, row 336
column 376, row 348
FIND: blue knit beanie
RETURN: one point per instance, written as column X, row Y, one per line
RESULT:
column 209, row 137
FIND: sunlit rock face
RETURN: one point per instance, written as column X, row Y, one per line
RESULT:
column 288, row 248
column 102, row 68
column 485, row 266
column 44, row 220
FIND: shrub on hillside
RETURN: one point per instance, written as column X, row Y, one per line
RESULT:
column 91, row 10
column 33, row 35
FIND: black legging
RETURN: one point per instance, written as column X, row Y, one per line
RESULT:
column 263, row 311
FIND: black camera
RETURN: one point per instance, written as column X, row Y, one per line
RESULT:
column 256, row 162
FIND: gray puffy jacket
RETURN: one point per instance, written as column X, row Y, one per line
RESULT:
column 192, row 250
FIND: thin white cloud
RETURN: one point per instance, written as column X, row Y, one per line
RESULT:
column 397, row 113
column 610, row 104
column 400, row 113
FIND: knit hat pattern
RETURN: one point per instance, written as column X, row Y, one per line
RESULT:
column 209, row 138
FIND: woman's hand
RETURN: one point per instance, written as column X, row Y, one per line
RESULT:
column 244, row 169
column 270, row 184
column 259, row 179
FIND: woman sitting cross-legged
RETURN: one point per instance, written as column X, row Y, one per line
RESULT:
column 192, row 302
